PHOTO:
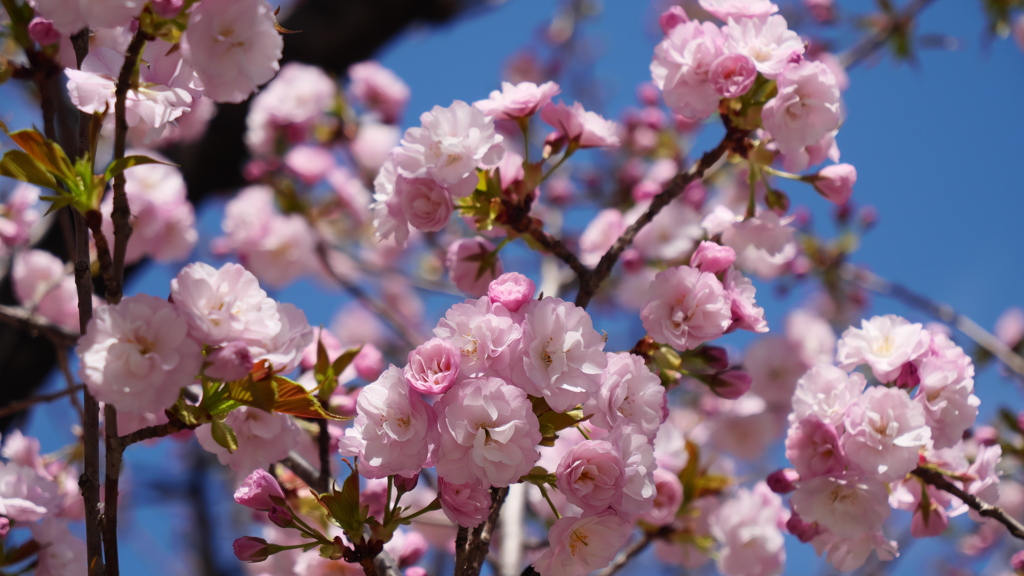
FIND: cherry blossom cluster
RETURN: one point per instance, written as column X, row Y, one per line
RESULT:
column 227, row 50
column 141, row 352
column 853, row 446
column 40, row 492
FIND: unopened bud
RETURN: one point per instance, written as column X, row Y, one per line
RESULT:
column 280, row 516
column 730, row 384
column 1017, row 562
column 783, row 481
column 251, row 549
column 404, row 484
column 802, row 530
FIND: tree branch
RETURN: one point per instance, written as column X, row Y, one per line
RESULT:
column 872, row 42
column 35, row 324
column 875, row 283
column 29, row 402
column 981, row 507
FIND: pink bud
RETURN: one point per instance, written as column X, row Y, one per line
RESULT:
column 405, row 484
column 42, row 32
column 648, row 94
column 802, row 530
column 511, row 290
column 433, row 367
column 671, row 18
column 632, row 260
column 1017, row 561
column 868, row 217
column 280, row 516
column 986, row 435
column 369, row 363
column 783, row 481
column 260, row 491
column 167, row 8
column 730, row 384
column 716, row 357
column 5, row 527
column 908, row 376
column 251, row 549
column 469, row 265
column 310, row 163
column 836, row 182
column 732, row 75
column 231, row 361
column 712, row 257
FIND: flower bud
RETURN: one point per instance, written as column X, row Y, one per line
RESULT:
column 836, row 182
column 928, row 522
column 783, row 481
column 802, row 530
column 433, row 367
column 986, row 435
column 251, row 549
column 42, row 32
column 730, row 384
column 908, row 376
column 167, row 8
column 472, row 263
column 404, row 484
column 5, row 527
column 712, row 257
column 1017, row 562
column 231, row 361
column 280, row 516
column 511, row 290
column 260, row 491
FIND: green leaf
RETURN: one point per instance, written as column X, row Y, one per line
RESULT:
column 21, row 166
column 343, row 506
column 258, row 394
column 120, row 165
column 293, row 399
column 224, row 435
column 46, row 152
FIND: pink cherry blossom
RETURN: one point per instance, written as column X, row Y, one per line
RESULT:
column 379, row 89
column 674, row 16
column 686, row 307
column 560, row 356
column 512, row 290
column 600, row 235
column 579, row 546
column 233, row 46
column 774, row 368
column 163, row 220
column 232, row 361
column 61, row 552
column 725, row 9
column 946, row 394
column 767, row 41
column 433, row 366
column 682, row 66
column 25, row 494
column 372, row 145
column 225, row 304
column 309, row 163
column 826, row 391
column 283, row 350
column 591, row 475
column 295, row 99
column 263, row 438
column 764, row 245
column 489, row 433
column 630, row 394
column 812, row 335
column 806, row 108
column 138, row 354
column 848, row 507
column 43, row 32
column 884, row 432
column 18, row 215
column 70, row 16
column 814, row 449
column 748, row 527
column 836, row 182
column 518, row 100
column 850, row 553
column 449, row 145
column 672, row 234
column 389, row 219
column 426, row 204
column 465, row 504
column 394, row 430
column 640, row 464
column 732, row 75
column 668, row 498
column 885, row 343
column 466, row 271
column 746, row 314
column 584, row 128
column 484, row 335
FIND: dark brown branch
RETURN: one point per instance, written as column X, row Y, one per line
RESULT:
column 943, row 312
column 590, row 283
column 558, row 249
column 479, row 541
column 981, row 507
column 172, row 426
column 324, row 447
column 30, row 402
column 35, row 324
column 115, row 453
column 305, row 471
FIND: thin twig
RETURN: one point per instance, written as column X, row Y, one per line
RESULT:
column 981, row 507
column 35, row 324
column 944, row 312
column 591, row 282
column 409, row 337
column 15, row 407
column 871, row 43
column 629, row 554
column 69, row 379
